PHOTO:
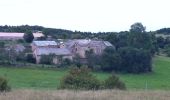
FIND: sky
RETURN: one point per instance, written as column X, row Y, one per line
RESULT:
column 86, row 15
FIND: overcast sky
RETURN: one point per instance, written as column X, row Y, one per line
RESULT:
column 86, row 15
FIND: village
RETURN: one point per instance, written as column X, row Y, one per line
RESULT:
column 59, row 49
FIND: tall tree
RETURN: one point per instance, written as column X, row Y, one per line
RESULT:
column 28, row 37
column 137, row 28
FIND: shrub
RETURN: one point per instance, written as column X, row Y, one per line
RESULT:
column 80, row 78
column 30, row 58
column 47, row 59
column 4, row 85
column 20, row 41
column 113, row 82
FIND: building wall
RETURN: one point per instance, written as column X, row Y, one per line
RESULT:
column 81, row 50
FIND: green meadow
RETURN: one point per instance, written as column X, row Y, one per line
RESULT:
column 35, row 78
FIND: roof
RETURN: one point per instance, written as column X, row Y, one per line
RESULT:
column 107, row 43
column 45, row 43
column 56, row 51
column 10, row 34
column 85, row 42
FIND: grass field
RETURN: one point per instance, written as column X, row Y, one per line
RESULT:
column 50, row 79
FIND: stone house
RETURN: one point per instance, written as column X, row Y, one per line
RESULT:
column 80, row 46
column 40, row 48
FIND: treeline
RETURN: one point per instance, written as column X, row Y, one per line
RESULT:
column 163, row 31
column 55, row 33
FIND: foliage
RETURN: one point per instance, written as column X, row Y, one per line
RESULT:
column 77, row 61
column 93, row 60
column 4, row 56
column 80, row 78
column 47, row 59
column 113, row 82
column 137, row 28
column 4, row 85
column 2, row 44
column 163, row 31
column 135, row 60
column 110, row 60
column 28, row 36
column 20, row 41
column 30, row 58
column 65, row 62
column 167, row 50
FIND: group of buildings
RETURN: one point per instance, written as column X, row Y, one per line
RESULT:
column 67, row 49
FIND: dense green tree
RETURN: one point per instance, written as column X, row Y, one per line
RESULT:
column 135, row 60
column 137, row 28
column 28, row 36
column 110, row 60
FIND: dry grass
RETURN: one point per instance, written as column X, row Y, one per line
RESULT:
column 85, row 95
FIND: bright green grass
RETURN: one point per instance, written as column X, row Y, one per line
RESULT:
column 50, row 79
column 32, row 78
column 158, row 79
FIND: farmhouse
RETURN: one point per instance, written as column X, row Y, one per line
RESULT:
column 17, row 36
column 80, row 46
column 68, row 49
column 50, row 47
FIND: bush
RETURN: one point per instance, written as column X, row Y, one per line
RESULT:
column 4, row 85
column 113, row 82
column 80, row 78
column 30, row 58
column 20, row 41
column 47, row 59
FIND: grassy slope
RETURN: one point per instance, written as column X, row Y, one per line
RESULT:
column 36, row 78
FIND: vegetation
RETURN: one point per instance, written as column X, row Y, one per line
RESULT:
column 47, row 59
column 28, row 36
column 4, row 85
column 30, row 58
column 36, row 78
column 80, row 79
column 113, row 82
